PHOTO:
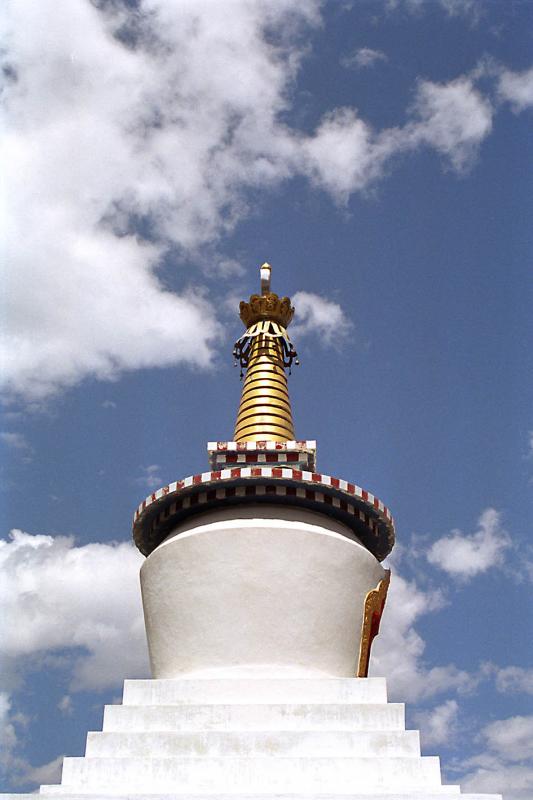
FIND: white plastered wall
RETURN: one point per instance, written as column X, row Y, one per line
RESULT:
column 259, row 590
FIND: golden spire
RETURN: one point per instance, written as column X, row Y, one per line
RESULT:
column 265, row 350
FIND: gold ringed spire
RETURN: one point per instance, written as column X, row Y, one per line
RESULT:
column 265, row 351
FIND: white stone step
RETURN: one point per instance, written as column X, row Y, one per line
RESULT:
column 255, row 774
column 435, row 794
column 248, row 717
column 255, row 690
column 66, row 794
column 253, row 743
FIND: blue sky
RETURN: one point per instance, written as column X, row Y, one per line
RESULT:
column 378, row 155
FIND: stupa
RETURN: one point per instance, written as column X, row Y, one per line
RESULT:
column 263, row 589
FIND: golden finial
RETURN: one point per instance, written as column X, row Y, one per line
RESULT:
column 265, row 350
column 267, row 305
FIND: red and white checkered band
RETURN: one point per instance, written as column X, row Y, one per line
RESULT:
column 297, row 454
column 360, row 510
column 256, row 457
column 259, row 444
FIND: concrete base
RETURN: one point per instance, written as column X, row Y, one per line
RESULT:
column 277, row 592
column 423, row 795
column 332, row 739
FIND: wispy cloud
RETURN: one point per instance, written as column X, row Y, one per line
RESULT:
column 346, row 155
column 82, row 615
column 49, row 773
column 398, row 651
column 516, row 88
column 317, row 316
column 506, row 763
column 511, row 679
column 230, row 267
column 438, row 725
column 66, row 705
column 83, row 598
column 453, row 118
column 363, row 57
column 471, row 11
column 465, row 555
column 166, row 153
column 150, row 477
column 8, row 735
column 17, row 442
column 12, row 764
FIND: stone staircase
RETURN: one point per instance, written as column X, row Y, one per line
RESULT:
column 295, row 739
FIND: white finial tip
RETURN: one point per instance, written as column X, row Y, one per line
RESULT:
column 265, row 270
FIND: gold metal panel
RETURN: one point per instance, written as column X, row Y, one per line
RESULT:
column 272, row 405
column 265, row 385
column 266, row 378
column 263, row 374
column 259, row 395
column 274, row 398
column 268, row 405
column 269, row 378
column 271, row 389
column 262, row 420
column 266, row 366
column 374, row 605
column 265, row 434
column 261, row 426
column 265, row 344
column 257, row 410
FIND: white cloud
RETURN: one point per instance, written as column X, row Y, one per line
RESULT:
column 398, row 651
column 65, row 705
column 363, row 57
column 470, row 10
column 74, row 608
column 464, row 556
column 109, row 404
column 344, row 156
column 57, row 597
column 49, row 773
column 438, row 725
column 166, row 130
column 150, row 477
column 511, row 738
column 514, row 781
column 230, row 268
column 454, row 118
column 516, row 88
column 17, row 442
column 506, row 765
column 133, row 133
column 8, row 736
column 12, row 766
column 320, row 317
column 513, row 679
